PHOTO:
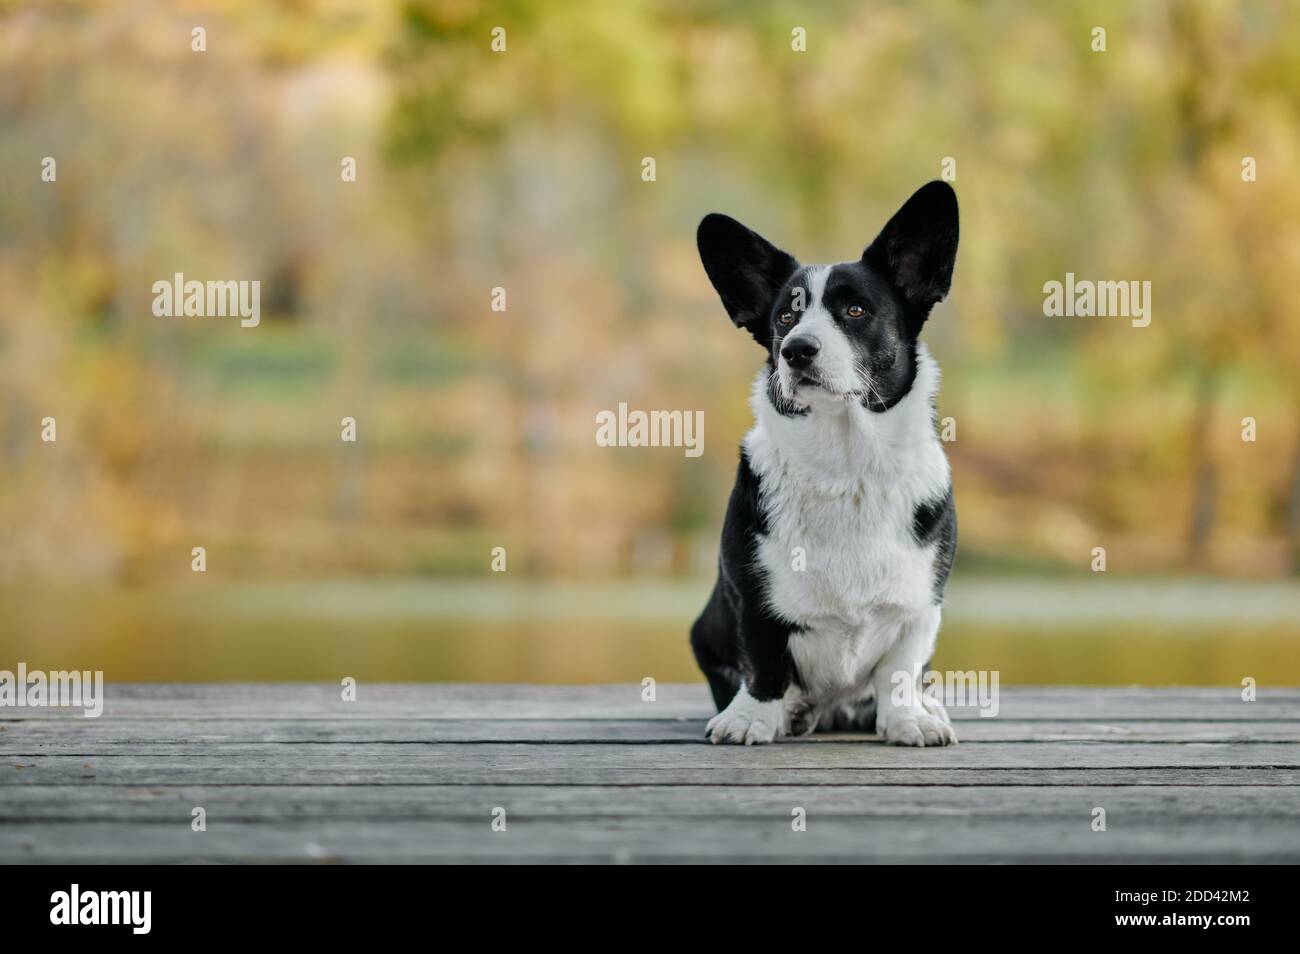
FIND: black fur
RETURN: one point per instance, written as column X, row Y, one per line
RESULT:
column 918, row 248
column 746, row 270
column 737, row 636
column 936, row 521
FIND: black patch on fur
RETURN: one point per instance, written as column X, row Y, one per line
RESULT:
column 935, row 522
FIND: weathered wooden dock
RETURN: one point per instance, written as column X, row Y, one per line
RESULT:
column 416, row 773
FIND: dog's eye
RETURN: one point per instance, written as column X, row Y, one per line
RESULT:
column 856, row 311
column 785, row 317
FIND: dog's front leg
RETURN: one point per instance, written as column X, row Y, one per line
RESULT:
column 757, row 714
column 907, row 717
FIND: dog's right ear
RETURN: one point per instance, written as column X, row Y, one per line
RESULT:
column 746, row 269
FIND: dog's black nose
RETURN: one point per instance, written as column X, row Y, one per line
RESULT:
column 799, row 351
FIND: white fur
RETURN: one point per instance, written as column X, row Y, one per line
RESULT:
column 842, row 482
column 747, row 720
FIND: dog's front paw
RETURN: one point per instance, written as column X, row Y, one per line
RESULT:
column 915, row 727
column 747, row 721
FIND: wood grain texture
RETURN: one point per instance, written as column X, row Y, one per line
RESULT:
column 412, row 773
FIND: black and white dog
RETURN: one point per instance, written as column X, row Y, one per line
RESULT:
column 841, row 529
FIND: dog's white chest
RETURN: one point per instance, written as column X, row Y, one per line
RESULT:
column 847, row 570
column 839, row 557
column 843, row 555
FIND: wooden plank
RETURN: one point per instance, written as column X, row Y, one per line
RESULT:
column 212, row 773
column 61, row 736
column 411, row 773
column 701, row 763
column 130, row 805
column 940, row 838
column 673, row 701
column 805, row 754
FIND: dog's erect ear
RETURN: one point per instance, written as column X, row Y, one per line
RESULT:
column 746, row 269
column 918, row 246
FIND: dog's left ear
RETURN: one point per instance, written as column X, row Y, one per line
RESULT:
column 918, row 247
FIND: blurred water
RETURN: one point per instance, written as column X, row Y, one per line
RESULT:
column 1089, row 631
